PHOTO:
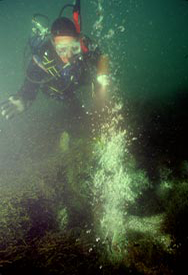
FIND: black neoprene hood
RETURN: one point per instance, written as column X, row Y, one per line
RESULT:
column 63, row 26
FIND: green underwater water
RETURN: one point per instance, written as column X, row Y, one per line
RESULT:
column 105, row 194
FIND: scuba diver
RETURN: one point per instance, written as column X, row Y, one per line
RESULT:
column 61, row 63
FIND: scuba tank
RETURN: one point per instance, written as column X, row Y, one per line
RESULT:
column 76, row 14
column 40, row 34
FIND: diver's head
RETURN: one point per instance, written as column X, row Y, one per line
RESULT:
column 65, row 38
column 63, row 26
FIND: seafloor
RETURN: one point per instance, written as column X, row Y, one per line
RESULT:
column 104, row 201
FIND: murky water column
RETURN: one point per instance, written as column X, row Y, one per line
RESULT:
column 98, row 26
column 111, row 185
column 116, row 183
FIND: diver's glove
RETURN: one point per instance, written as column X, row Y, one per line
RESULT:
column 103, row 80
column 13, row 106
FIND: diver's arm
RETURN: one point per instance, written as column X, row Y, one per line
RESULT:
column 99, row 64
column 32, row 82
column 103, row 79
column 20, row 102
column 103, row 65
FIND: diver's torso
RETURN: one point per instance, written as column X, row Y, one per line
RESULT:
column 64, row 79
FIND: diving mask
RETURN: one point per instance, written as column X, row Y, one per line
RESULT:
column 65, row 49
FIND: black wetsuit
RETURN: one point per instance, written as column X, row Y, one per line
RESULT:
column 48, row 73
